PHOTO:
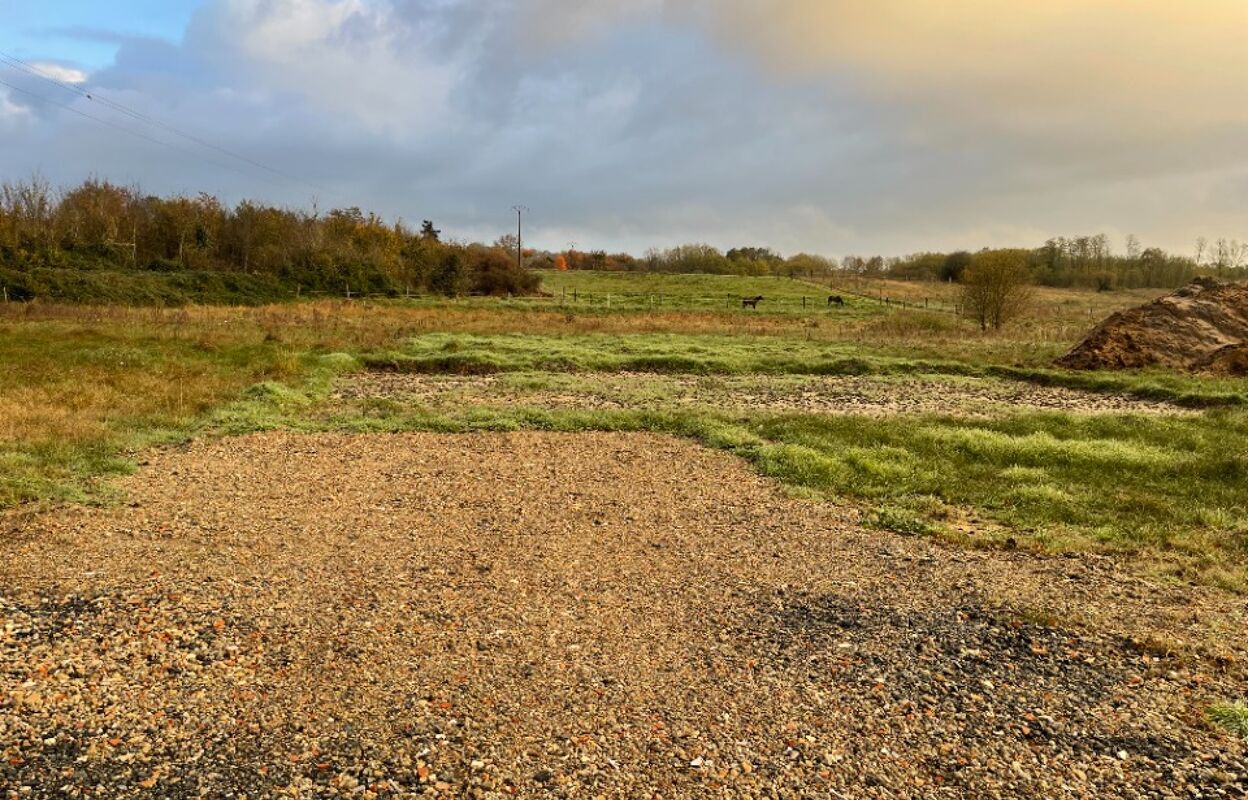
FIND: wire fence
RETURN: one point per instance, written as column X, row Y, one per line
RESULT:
column 676, row 301
column 634, row 301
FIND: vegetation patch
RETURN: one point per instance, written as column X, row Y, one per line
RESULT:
column 899, row 520
column 1232, row 717
column 457, row 354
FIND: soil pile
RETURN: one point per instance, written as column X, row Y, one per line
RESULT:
column 1203, row 326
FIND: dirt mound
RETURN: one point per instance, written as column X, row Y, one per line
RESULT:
column 1203, row 326
column 1230, row 360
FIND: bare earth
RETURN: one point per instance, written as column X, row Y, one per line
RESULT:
column 1203, row 326
column 575, row 616
column 813, row 394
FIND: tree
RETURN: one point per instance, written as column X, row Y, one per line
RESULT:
column 427, row 231
column 810, row 265
column 996, row 287
column 1133, row 247
column 451, row 275
column 955, row 264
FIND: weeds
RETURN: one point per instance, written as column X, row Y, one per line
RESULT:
column 1230, row 716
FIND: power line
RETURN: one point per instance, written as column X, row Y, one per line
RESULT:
column 117, row 127
column 17, row 63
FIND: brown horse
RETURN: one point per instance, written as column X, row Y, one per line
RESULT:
column 751, row 302
column 836, row 300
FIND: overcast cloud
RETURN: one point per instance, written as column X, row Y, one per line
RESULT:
column 830, row 126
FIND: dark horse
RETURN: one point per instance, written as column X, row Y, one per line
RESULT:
column 836, row 300
column 751, row 302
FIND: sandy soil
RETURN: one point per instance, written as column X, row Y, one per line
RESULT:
column 1203, row 326
column 593, row 615
column 868, row 395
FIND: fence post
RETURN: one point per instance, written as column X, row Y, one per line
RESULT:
column 6, row 295
column 803, row 301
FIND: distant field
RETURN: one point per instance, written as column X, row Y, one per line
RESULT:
column 946, row 294
column 644, row 291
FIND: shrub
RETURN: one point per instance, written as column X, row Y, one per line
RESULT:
column 495, row 273
column 996, row 288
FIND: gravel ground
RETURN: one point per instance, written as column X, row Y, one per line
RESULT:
column 590, row 615
column 838, row 394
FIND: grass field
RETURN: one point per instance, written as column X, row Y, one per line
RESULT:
column 643, row 291
column 85, row 389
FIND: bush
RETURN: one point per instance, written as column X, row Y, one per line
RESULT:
column 495, row 273
column 996, row 288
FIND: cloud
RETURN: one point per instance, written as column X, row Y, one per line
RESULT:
column 365, row 62
column 1061, row 65
column 60, row 72
column 12, row 113
column 1177, row 66
column 833, row 126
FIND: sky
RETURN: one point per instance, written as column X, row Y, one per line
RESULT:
column 825, row 126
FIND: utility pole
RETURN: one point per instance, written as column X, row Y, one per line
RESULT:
column 519, row 240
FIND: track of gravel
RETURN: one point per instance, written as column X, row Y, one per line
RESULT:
column 591, row 615
column 840, row 394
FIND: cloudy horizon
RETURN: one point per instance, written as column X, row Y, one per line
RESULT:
column 823, row 126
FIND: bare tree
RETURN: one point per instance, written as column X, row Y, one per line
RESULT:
column 996, row 288
column 1133, row 247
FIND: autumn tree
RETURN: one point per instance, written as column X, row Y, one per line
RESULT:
column 996, row 287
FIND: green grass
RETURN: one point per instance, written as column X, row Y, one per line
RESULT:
column 132, row 287
column 661, row 291
column 1058, row 480
column 770, row 355
column 1232, row 717
column 467, row 354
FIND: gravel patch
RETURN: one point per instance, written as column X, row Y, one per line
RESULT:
column 839, row 394
column 590, row 615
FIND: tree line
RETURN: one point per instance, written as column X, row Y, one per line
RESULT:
column 688, row 258
column 1081, row 261
column 100, row 225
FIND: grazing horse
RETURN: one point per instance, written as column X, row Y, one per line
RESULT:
column 751, row 302
column 836, row 300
